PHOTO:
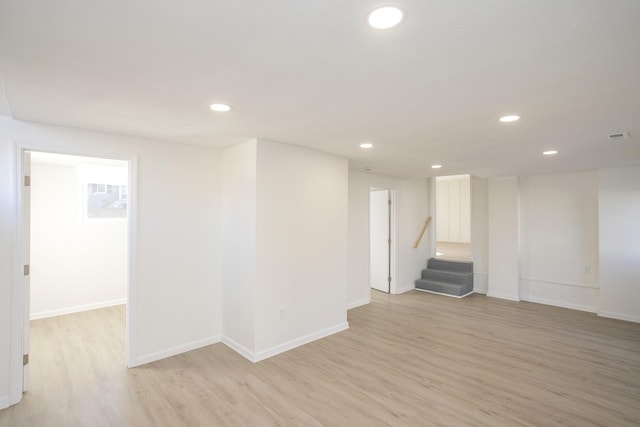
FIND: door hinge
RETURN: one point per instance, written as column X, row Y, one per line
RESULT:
column 389, row 202
column 27, row 181
column 389, row 280
column 27, row 269
column 25, row 359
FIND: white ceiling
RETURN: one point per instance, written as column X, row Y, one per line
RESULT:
column 312, row 73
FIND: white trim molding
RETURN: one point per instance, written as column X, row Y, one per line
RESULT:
column 562, row 304
column 4, row 402
column 443, row 294
column 480, row 283
column 404, row 290
column 619, row 316
column 503, row 296
column 357, row 304
column 281, row 348
column 239, row 348
column 174, row 351
column 77, row 309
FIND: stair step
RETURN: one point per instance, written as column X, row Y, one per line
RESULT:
column 448, row 276
column 446, row 265
column 444, row 288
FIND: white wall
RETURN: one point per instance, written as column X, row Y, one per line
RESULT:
column 619, row 243
column 301, row 246
column 503, row 238
column 7, row 224
column 411, row 211
column 177, row 252
column 76, row 264
column 239, row 242
column 559, row 240
column 480, row 233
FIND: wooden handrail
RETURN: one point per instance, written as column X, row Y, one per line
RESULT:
column 424, row 228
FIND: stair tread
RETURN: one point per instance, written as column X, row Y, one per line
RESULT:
column 456, row 273
column 448, row 265
column 438, row 282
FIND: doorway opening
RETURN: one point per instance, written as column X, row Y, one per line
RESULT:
column 453, row 217
column 75, row 215
column 382, row 239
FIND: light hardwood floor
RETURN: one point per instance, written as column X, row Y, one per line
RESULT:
column 408, row 360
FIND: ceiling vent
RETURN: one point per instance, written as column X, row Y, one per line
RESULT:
column 618, row 136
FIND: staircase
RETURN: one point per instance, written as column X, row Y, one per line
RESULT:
column 453, row 278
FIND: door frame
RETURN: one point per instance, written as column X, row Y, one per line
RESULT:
column 18, row 314
column 392, row 231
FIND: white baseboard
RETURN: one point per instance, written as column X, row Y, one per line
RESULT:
column 480, row 283
column 4, row 402
column 239, row 348
column 404, row 290
column 619, row 316
column 174, row 351
column 76, row 309
column 503, row 296
column 444, row 295
column 265, row 354
column 562, row 304
column 357, row 304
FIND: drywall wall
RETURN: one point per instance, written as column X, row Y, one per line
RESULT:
column 301, row 246
column 7, row 224
column 411, row 211
column 619, row 242
column 480, row 233
column 503, row 238
column 239, row 243
column 177, row 239
column 76, row 264
column 559, row 240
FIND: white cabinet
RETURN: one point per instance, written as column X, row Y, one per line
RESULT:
column 453, row 203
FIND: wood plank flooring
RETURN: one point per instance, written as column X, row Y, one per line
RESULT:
column 415, row 359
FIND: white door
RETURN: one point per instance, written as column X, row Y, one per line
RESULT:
column 26, row 249
column 380, row 238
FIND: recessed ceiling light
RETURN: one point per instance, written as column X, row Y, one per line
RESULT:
column 386, row 17
column 366, row 145
column 436, row 166
column 220, row 108
column 508, row 119
column 550, row 152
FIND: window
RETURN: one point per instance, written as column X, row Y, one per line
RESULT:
column 106, row 201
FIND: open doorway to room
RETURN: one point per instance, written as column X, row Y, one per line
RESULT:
column 381, row 239
column 453, row 217
column 75, row 242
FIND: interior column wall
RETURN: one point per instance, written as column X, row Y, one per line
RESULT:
column 503, row 238
column 480, row 233
column 619, row 243
column 239, row 243
column 301, row 231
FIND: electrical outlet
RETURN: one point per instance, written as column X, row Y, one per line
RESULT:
column 587, row 269
column 283, row 313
